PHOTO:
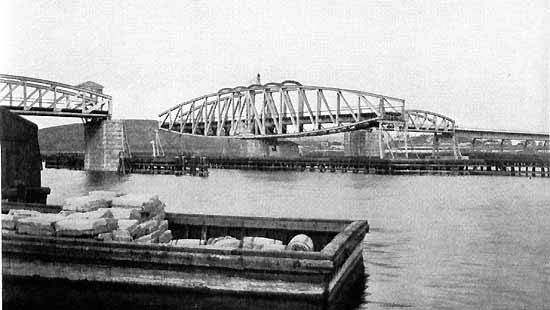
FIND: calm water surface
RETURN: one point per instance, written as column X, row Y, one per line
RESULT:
column 436, row 242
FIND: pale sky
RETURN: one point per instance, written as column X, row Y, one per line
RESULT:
column 483, row 63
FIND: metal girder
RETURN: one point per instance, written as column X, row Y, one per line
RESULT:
column 31, row 96
column 301, row 110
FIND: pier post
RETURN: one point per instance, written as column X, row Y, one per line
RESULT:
column 435, row 146
column 104, row 143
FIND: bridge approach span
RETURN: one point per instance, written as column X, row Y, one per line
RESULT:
column 494, row 134
column 37, row 97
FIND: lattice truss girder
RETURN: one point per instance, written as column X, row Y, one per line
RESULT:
column 44, row 97
column 426, row 121
column 280, row 109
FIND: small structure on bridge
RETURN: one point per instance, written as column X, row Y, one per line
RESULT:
column 91, row 85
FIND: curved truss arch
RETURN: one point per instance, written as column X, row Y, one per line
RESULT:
column 279, row 110
column 31, row 96
column 427, row 121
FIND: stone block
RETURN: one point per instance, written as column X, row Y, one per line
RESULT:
column 126, row 213
column 224, row 242
column 8, row 222
column 17, row 213
column 97, row 214
column 85, row 203
column 163, row 225
column 122, row 235
column 145, row 228
column 85, row 227
column 42, row 224
column 258, row 243
column 165, row 237
column 108, row 236
column 149, row 238
column 129, row 225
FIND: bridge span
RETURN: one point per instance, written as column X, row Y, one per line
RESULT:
column 37, row 97
column 103, row 137
column 496, row 134
column 290, row 109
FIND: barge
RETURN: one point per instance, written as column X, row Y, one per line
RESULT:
column 63, row 272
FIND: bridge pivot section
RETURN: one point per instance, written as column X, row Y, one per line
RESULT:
column 281, row 110
column 394, row 136
column 30, row 96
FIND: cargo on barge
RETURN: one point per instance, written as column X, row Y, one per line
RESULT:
column 63, row 271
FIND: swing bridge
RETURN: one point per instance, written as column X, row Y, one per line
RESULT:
column 292, row 110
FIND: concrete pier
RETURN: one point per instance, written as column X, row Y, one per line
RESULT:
column 104, row 142
column 362, row 143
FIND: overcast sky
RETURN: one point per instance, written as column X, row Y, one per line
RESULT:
column 483, row 63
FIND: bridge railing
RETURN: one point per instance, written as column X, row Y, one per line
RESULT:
column 280, row 109
column 25, row 95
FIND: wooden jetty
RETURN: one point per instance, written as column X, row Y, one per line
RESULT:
column 141, row 164
column 64, row 272
column 475, row 163
column 496, row 164
column 176, row 165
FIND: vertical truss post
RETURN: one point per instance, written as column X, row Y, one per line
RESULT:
column 358, row 108
column 205, row 116
column 318, row 112
column 406, row 131
column 381, row 108
column 300, row 112
column 11, row 94
column 338, row 108
column 455, row 151
column 282, row 111
column 380, row 145
column 24, row 102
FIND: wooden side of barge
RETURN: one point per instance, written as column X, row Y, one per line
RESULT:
column 234, row 277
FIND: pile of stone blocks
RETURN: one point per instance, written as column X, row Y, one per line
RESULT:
column 251, row 243
column 101, row 215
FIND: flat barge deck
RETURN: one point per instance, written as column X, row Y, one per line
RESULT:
column 64, row 271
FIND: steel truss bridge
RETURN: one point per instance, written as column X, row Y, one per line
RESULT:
column 31, row 96
column 290, row 109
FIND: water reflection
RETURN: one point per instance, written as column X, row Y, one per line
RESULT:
column 436, row 242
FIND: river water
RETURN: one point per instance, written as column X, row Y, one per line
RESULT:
column 436, row 242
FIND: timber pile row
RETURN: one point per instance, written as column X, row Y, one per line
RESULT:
column 100, row 215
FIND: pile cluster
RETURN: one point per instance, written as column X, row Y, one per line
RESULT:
column 101, row 215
